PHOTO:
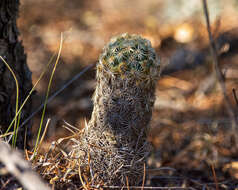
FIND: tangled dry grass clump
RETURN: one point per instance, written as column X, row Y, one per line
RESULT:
column 113, row 146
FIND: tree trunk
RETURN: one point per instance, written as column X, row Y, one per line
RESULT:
column 12, row 51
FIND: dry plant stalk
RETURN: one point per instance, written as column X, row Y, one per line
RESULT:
column 113, row 146
column 20, row 168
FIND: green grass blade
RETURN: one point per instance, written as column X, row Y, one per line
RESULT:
column 32, row 90
column 47, row 94
column 17, row 101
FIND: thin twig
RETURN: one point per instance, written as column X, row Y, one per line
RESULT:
column 43, row 135
column 6, row 183
column 214, row 176
column 127, row 183
column 143, row 182
column 219, row 74
column 58, row 92
column 235, row 97
column 69, row 125
column 20, row 168
column 80, row 177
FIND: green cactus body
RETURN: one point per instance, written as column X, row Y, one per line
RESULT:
column 115, row 138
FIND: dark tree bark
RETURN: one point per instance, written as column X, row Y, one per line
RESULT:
column 12, row 50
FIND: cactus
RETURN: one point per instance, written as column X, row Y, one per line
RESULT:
column 113, row 146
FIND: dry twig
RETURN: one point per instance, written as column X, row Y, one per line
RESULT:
column 20, row 168
column 219, row 75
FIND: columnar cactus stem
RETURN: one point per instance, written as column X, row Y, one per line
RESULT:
column 115, row 139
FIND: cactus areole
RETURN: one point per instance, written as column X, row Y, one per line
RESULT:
column 115, row 139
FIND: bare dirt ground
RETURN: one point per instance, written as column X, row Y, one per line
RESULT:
column 190, row 130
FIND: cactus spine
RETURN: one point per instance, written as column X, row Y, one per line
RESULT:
column 115, row 138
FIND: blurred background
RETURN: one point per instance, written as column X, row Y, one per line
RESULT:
column 190, row 129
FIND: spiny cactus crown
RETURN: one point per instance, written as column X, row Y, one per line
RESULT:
column 130, row 54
